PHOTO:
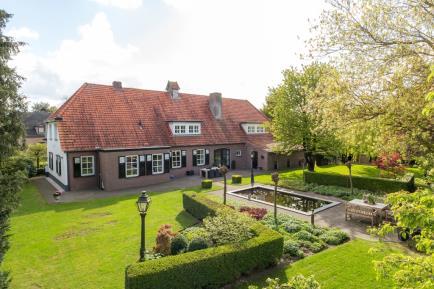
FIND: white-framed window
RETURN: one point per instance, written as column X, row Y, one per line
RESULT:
column 176, row 159
column 260, row 129
column 56, row 136
column 185, row 128
column 157, row 164
column 87, row 165
column 238, row 153
column 200, row 157
column 131, row 166
column 252, row 128
column 49, row 133
column 179, row 129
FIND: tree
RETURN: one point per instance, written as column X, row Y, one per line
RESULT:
column 11, row 131
column 43, row 106
column 414, row 214
column 37, row 152
column 295, row 108
column 382, row 50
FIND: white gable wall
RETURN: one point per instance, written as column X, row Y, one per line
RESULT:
column 53, row 146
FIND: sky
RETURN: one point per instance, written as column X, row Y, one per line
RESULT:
column 236, row 47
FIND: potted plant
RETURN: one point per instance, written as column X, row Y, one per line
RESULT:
column 57, row 195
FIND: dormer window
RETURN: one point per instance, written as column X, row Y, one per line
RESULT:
column 254, row 128
column 185, row 128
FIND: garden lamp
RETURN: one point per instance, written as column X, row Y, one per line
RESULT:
column 252, row 177
column 143, row 203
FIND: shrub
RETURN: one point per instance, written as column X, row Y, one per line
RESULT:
column 334, row 237
column 226, row 227
column 236, row 179
column 305, row 236
column 164, row 239
column 292, row 248
column 198, row 244
column 196, row 232
column 208, row 268
column 296, row 282
column 179, row 244
column 368, row 183
column 206, row 184
column 256, row 213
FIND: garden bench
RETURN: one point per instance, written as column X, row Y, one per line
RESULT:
column 361, row 210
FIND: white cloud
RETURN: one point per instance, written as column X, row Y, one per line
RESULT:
column 23, row 33
column 94, row 57
column 123, row 4
column 236, row 47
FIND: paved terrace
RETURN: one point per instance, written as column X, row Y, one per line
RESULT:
column 332, row 217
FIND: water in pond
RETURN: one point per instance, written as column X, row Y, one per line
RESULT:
column 296, row 202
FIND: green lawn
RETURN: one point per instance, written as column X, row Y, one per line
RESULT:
column 346, row 266
column 85, row 244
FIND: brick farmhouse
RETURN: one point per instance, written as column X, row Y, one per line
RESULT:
column 111, row 137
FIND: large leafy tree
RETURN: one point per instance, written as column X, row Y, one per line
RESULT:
column 382, row 50
column 43, row 106
column 414, row 213
column 12, row 106
column 296, row 113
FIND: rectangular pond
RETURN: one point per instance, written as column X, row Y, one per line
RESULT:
column 287, row 200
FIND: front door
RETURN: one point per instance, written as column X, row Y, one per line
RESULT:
column 222, row 157
column 255, row 159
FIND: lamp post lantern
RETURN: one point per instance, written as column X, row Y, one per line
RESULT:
column 275, row 178
column 224, row 170
column 143, row 203
column 252, row 177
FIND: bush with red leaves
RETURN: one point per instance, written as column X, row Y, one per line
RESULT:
column 256, row 213
column 164, row 239
column 390, row 163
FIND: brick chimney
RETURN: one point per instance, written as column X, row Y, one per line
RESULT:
column 215, row 104
column 117, row 84
column 172, row 88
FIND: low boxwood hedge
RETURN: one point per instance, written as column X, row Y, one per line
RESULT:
column 367, row 183
column 236, row 179
column 208, row 268
column 206, row 184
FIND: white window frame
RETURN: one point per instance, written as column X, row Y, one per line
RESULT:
column 238, row 153
column 56, row 137
column 156, row 172
column 131, row 168
column 260, row 129
column 84, row 159
column 254, row 128
column 251, row 129
column 176, row 158
column 202, row 157
column 49, row 132
column 186, row 128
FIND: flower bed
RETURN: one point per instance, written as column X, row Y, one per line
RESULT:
column 301, row 238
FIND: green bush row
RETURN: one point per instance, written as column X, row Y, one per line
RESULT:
column 236, row 179
column 367, row 183
column 211, row 267
column 206, row 184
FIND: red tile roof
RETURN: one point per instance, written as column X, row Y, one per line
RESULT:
column 100, row 116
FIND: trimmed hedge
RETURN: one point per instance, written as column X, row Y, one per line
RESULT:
column 367, row 183
column 208, row 268
column 236, row 179
column 206, row 184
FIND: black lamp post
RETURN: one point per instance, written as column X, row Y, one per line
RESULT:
column 252, row 177
column 224, row 170
column 143, row 203
column 275, row 178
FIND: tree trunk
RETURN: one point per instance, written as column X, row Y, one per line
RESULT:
column 310, row 161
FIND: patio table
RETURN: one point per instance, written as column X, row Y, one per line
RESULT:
column 378, row 206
